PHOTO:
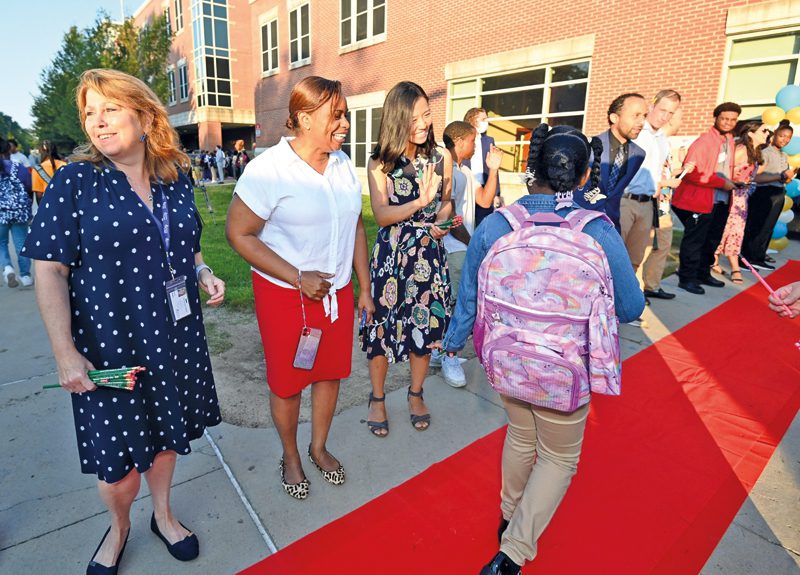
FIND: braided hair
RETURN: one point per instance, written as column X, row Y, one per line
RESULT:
column 558, row 158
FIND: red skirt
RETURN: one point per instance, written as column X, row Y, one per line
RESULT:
column 280, row 321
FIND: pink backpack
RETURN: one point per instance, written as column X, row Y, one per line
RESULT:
column 546, row 327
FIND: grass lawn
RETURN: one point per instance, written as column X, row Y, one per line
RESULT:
column 225, row 262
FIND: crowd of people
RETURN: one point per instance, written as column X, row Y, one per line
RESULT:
column 214, row 167
column 539, row 285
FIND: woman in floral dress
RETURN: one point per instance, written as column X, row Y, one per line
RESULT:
column 408, row 267
column 750, row 138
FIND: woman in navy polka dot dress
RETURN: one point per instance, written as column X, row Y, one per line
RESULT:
column 104, row 259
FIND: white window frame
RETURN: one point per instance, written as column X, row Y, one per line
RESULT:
column 183, row 69
column 371, row 38
column 168, row 16
column 295, row 12
column 172, row 94
column 267, row 19
column 178, row 5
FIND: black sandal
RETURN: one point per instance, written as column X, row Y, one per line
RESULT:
column 736, row 277
column 376, row 426
column 418, row 419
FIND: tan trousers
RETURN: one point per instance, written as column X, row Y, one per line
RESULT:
column 655, row 260
column 540, row 456
column 636, row 223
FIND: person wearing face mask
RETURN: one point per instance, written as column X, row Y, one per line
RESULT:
column 295, row 218
column 621, row 157
column 481, row 172
column 701, row 200
column 766, row 202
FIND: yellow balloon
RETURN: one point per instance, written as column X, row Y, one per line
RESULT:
column 773, row 115
column 793, row 115
column 787, row 203
column 794, row 161
column 779, row 244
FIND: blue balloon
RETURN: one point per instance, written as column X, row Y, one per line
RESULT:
column 793, row 189
column 788, row 97
column 793, row 147
column 779, row 230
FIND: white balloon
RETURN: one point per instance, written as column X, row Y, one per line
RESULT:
column 786, row 216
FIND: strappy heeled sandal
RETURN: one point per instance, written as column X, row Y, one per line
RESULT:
column 335, row 477
column 376, row 426
column 418, row 419
column 297, row 490
column 736, row 277
column 718, row 270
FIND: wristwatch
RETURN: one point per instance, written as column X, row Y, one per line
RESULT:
column 200, row 267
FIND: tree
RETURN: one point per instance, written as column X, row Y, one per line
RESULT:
column 10, row 129
column 139, row 52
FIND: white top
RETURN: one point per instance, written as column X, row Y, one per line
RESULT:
column 656, row 147
column 463, row 194
column 310, row 217
column 476, row 162
column 20, row 158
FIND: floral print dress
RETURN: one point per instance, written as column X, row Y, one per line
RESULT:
column 410, row 281
column 731, row 243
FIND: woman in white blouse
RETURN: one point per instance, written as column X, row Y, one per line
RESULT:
column 296, row 219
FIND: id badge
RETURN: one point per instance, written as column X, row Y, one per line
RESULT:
column 307, row 348
column 178, row 299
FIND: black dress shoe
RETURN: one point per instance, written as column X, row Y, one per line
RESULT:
column 501, row 565
column 711, row 281
column 95, row 568
column 692, row 287
column 186, row 549
column 660, row 294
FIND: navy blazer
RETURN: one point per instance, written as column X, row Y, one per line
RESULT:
column 608, row 200
column 481, row 212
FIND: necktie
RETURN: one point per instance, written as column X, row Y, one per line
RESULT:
column 613, row 173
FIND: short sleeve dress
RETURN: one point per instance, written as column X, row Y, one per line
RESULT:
column 92, row 221
column 410, row 280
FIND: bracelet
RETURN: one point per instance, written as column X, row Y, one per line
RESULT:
column 200, row 267
column 299, row 283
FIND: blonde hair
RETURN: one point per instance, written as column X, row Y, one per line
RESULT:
column 239, row 145
column 162, row 155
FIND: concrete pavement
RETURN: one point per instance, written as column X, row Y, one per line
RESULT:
column 228, row 489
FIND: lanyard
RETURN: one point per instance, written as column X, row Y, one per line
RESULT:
column 163, row 228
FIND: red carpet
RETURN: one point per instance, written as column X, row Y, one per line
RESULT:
column 665, row 468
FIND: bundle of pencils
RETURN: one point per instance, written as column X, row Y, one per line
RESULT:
column 453, row 222
column 122, row 378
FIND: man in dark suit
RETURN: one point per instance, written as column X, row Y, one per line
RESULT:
column 621, row 157
column 479, row 120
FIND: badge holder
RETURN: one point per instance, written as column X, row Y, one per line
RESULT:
column 308, row 345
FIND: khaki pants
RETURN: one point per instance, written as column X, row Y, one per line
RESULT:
column 540, row 456
column 636, row 223
column 655, row 260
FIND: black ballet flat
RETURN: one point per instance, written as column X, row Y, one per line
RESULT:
column 95, row 568
column 186, row 549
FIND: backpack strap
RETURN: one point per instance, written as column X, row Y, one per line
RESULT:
column 42, row 174
column 515, row 214
column 579, row 218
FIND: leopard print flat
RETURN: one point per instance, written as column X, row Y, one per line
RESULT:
column 297, row 490
column 335, row 477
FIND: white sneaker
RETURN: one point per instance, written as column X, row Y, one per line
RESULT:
column 10, row 277
column 27, row 281
column 436, row 358
column 452, row 372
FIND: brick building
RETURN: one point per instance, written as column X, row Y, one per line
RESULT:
column 560, row 62
column 211, row 72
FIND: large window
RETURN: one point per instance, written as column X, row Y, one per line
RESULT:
column 760, row 66
column 171, row 81
column 178, row 15
column 183, row 80
column 269, row 46
column 300, row 36
column 362, row 20
column 363, row 134
column 211, row 53
column 169, row 22
column 516, row 102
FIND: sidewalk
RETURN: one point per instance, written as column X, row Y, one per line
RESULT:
column 51, row 518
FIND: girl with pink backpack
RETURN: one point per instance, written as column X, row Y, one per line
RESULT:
column 544, row 286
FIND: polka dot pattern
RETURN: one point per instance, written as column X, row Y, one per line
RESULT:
column 95, row 224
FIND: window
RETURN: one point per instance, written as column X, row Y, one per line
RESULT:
column 211, row 53
column 517, row 102
column 362, row 20
column 178, row 15
column 171, row 83
column 299, row 36
column 269, row 46
column 183, row 80
column 363, row 134
column 166, row 17
column 758, row 67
